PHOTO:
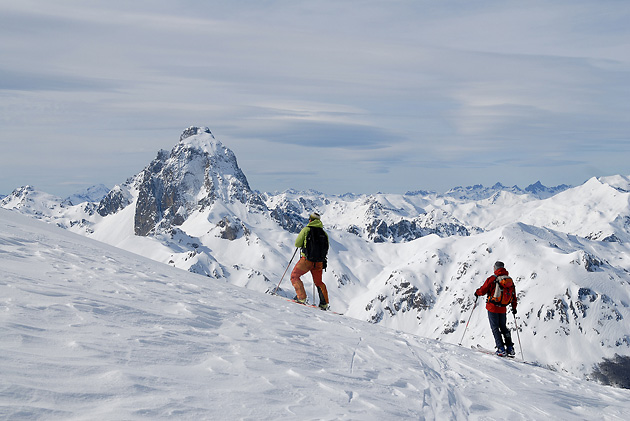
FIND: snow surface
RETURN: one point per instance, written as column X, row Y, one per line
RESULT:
column 89, row 331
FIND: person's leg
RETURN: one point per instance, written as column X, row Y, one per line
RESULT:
column 301, row 267
column 494, row 319
column 317, row 273
column 505, row 331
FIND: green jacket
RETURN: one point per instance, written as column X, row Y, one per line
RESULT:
column 300, row 242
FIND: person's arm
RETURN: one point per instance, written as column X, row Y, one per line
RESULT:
column 485, row 288
column 514, row 300
column 300, row 241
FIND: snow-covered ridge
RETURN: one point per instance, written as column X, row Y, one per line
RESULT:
column 618, row 182
column 410, row 262
column 91, row 194
column 480, row 192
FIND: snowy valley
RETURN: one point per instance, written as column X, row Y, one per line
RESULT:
column 407, row 262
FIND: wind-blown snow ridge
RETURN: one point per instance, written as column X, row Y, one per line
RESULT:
column 90, row 331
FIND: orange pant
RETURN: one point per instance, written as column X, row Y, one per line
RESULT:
column 316, row 269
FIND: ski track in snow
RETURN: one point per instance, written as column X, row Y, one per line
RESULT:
column 92, row 332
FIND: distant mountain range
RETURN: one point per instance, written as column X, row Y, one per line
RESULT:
column 409, row 262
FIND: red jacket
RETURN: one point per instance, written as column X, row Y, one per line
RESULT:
column 488, row 289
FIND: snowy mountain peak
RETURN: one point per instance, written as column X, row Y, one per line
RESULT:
column 21, row 192
column 193, row 131
column 33, row 202
column 197, row 172
column 201, row 138
column 542, row 192
column 535, row 187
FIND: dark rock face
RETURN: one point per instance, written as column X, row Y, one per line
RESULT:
column 113, row 201
column 288, row 217
column 155, row 197
column 614, row 371
column 591, row 263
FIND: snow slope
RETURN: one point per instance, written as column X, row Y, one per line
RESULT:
column 89, row 331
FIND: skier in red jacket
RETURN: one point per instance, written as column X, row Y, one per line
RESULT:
column 497, row 312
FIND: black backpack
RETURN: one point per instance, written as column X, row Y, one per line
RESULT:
column 316, row 245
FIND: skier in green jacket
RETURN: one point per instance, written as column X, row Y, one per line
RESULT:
column 318, row 251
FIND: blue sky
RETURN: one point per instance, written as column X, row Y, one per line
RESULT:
column 337, row 96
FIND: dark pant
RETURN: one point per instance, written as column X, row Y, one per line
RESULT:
column 498, row 324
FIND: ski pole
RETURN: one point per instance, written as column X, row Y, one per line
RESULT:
column 470, row 317
column 285, row 271
column 518, row 336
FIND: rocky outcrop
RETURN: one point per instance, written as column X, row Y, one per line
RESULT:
column 398, row 296
column 232, row 229
column 114, row 201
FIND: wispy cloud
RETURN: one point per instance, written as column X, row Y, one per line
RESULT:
column 391, row 96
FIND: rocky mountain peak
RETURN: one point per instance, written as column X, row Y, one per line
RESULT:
column 202, row 140
column 542, row 192
column 197, row 172
column 193, row 131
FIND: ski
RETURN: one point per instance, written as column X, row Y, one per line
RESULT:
column 311, row 305
column 270, row 292
column 304, row 304
column 490, row 352
column 480, row 349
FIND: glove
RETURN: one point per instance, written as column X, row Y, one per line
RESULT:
column 513, row 310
